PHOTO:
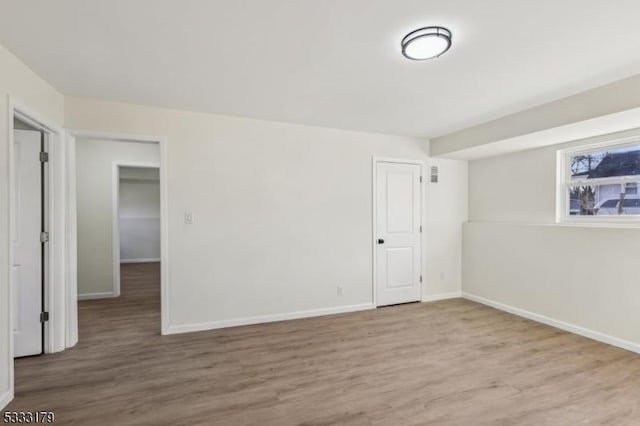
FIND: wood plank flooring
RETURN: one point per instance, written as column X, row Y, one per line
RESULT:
column 445, row 363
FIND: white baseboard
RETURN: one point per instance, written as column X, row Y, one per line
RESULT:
column 6, row 398
column 143, row 260
column 442, row 296
column 89, row 296
column 591, row 334
column 176, row 329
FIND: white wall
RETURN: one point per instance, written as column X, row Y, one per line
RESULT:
column 447, row 210
column 94, row 162
column 514, row 253
column 139, row 214
column 20, row 82
column 583, row 279
column 282, row 212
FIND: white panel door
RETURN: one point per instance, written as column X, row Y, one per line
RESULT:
column 398, row 247
column 27, row 267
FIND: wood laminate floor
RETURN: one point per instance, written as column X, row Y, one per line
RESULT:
column 446, row 363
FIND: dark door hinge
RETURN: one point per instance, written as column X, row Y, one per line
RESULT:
column 44, row 316
column 44, row 237
column 420, row 278
column 44, row 157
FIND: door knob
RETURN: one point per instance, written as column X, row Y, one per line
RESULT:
column 380, row 241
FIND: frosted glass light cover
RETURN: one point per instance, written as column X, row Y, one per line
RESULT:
column 426, row 47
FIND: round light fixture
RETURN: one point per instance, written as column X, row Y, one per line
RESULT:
column 426, row 43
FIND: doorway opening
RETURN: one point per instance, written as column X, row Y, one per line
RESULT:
column 136, row 215
column 120, row 203
column 40, row 319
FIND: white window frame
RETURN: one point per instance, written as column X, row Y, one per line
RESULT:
column 564, row 183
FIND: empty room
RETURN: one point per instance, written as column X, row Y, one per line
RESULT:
column 337, row 212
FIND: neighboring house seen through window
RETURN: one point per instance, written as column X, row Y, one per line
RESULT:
column 601, row 183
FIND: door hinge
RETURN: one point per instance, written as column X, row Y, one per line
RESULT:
column 44, row 237
column 44, row 316
column 421, row 229
column 420, row 278
column 420, row 179
column 44, row 157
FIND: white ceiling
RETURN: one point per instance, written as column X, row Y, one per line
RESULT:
column 333, row 63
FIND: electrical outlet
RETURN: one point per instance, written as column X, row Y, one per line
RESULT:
column 339, row 291
column 188, row 218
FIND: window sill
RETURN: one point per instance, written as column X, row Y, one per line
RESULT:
column 632, row 223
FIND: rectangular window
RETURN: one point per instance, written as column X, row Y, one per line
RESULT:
column 601, row 183
column 631, row 188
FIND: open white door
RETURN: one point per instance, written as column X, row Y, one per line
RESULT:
column 398, row 242
column 27, row 267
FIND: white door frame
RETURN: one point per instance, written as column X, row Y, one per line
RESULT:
column 374, row 209
column 115, row 219
column 164, row 210
column 55, row 267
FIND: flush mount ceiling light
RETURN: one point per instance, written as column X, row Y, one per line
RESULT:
column 426, row 43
